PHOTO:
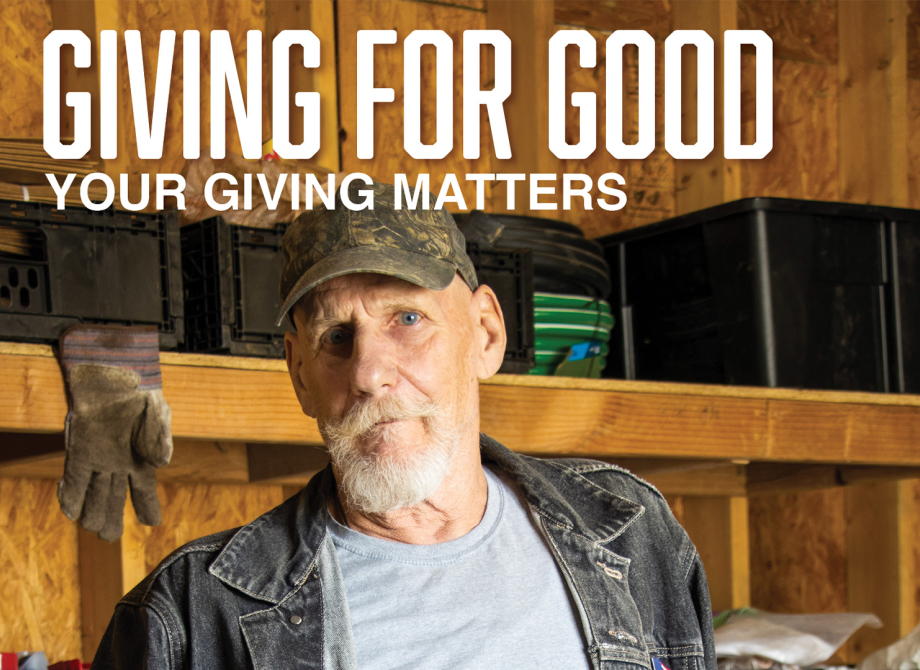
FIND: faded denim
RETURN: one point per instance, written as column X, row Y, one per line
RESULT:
column 269, row 595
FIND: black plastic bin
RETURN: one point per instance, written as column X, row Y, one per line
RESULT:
column 231, row 276
column 60, row 268
column 509, row 272
column 770, row 292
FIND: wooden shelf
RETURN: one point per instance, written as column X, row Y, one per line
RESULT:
column 220, row 399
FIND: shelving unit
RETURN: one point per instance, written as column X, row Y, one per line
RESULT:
column 237, row 421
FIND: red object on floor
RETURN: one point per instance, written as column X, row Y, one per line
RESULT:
column 9, row 661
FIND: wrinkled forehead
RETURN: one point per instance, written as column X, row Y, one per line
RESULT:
column 341, row 296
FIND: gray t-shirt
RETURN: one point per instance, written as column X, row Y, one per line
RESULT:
column 494, row 598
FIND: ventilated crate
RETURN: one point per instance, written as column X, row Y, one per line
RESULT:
column 60, row 268
column 231, row 276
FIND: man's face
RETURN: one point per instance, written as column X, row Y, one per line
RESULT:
column 390, row 371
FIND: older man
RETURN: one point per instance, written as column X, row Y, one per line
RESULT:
column 425, row 544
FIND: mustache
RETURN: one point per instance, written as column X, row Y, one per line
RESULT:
column 363, row 418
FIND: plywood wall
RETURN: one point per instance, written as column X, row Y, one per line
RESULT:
column 390, row 158
column 39, row 575
column 23, row 26
column 151, row 17
column 798, row 552
column 40, row 594
column 191, row 511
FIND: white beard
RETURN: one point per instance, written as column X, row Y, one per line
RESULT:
column 372, row 483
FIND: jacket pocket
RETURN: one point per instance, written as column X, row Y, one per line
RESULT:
column 687, row 657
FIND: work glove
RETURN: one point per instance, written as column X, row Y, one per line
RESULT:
column 117, row 429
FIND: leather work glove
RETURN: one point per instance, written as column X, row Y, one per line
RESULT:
column 117, row 429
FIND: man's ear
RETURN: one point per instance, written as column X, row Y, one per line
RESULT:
column 489, row 323
column 294, row 353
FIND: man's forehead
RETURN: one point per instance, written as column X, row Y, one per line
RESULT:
column 343, row 293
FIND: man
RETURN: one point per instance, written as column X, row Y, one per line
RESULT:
column 425, row 544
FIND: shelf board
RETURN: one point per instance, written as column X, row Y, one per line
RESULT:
column 221, row 398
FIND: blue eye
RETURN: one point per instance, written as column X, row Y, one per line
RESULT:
column 409, row 318
column 338, row 336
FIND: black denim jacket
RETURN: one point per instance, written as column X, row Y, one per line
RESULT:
column 269, row 594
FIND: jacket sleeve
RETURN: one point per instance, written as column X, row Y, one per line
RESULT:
column 137, row 637
column 699, row 592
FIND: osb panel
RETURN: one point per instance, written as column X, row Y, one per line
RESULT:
column 913, row 39
column 798, row 552
column 390, row 157
column 653, row 16
column 913, row 142
column 23, row 26
column 649, row 184
column 40, row 586
column 153, row 16
column 803, row 161
column 803, row 30
column 192, row 511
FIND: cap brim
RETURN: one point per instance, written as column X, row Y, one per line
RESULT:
column 419, row 269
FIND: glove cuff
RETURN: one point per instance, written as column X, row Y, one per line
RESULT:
column 134, row 348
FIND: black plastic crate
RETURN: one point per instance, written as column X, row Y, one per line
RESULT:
column 60, row 268
column 510, row 274
column 231, row 276
column 770, row 292
column 232, row 273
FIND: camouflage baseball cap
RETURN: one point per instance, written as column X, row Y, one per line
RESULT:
column 423, row 247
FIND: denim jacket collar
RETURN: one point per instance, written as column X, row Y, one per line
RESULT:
column 601, row 516
column 270, row 561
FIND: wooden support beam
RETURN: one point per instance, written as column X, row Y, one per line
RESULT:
column 108, row 570
column 909, row 554
column 873, row 540
column 546, row 415
column 317, row 16
column 711, row 180
column 529, row 24
column 771, row 478
column 718, row 526
column 684, row 477
column 78, row 15
column 286, row 464
column 872, row 101
column 18, row 448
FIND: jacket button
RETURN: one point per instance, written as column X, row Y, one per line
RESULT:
column 296, row 620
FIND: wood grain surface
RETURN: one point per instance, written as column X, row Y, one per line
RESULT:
column 652, row 16
column 23, row 26
column 390, row 157
column 801, row 30
column 872, row 98
column 542, row 416
column 798, row 552
column 39, row 576
column 803, row 162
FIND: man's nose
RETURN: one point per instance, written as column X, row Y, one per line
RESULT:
column 373, row 365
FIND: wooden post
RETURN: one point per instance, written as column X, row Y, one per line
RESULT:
column 318, row 16
column 711, row 180
column 718, row 526
column 882, row 524
column 108, row 570
column 79, row 15
column 873, row 576
column 872, row 101
column 529, row 25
